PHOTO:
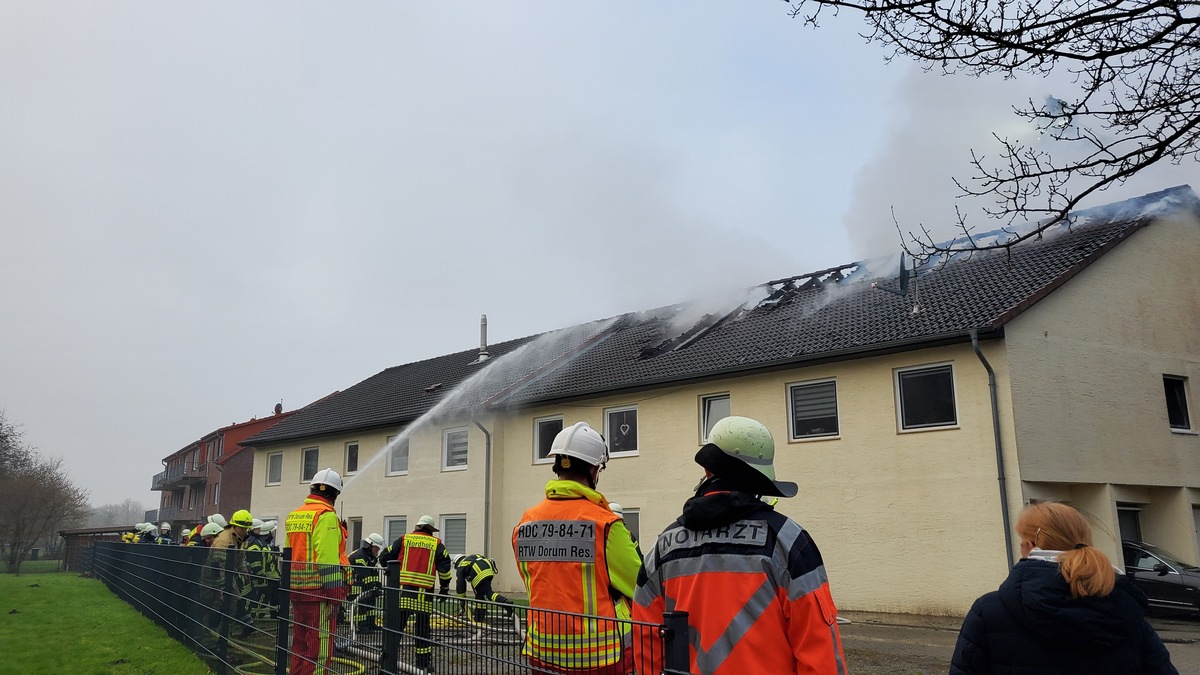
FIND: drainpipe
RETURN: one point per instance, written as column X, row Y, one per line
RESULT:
column 1008, row 544
column 487, row 486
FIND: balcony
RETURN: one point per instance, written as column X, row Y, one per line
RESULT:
column 180, row 475
column 151, row 516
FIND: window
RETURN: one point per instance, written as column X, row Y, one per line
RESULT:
column 397, row 456
column 1129, row 521
column 454, row 534
column 308, row 464
column 352, row 458
column 356, row 533
column 393, row 527
column 813, row 407
column 1177, row 407
column 544, row 431
column 620, row 430
column 633, row 522
column 216, row 493
column 926, row 397
column 454, row 449
column 275, row 468
column 712, row 410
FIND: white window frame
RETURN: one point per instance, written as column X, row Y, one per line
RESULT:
column 637, row 513
column 387, row 468
column 346, row 457
column 270, row 457
column 537, row 423
column 388, row 521
column 446, row 448
column 704, row 401
column 304, row 451
column 442, row 526
column 216, row 493
column 897, row 372
column 608, row 435
column 837, row 404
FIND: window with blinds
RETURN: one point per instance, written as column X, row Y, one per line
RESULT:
column 397, row 456
column 454, row 450
column 454, row 534
column 814, row 409
column 394, row 526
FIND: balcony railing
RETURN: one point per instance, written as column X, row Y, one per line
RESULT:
column 158, row 481
column 180, row 474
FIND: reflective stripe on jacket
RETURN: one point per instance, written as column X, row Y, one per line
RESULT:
column 773, row 613
column 423, row 560
column 575, row 555
column 317, row 540
column 473, row 569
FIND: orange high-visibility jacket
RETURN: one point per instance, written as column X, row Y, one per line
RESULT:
column 318, row 542
column 756, row 595
column 575, row 555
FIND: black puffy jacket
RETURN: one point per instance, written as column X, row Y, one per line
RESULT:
column 1032, row 625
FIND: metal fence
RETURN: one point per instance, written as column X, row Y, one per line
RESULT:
column 236, row 609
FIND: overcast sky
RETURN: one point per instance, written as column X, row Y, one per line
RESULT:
column 209, row 208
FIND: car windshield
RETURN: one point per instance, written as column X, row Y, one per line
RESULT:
column 1168, row 558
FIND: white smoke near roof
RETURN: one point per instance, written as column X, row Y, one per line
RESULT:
column 936, row 121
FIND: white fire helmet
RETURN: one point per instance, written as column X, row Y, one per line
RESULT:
column 256, row 523
column 219, row 520
column 376, row 539
column 327, row 477
column 427, row 521
column 165, row 526
column 186, row 532
column 211, row 530
column 267, row 527
column 616, row 508
column 581, row 441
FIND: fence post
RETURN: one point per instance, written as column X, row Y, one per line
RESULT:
column 391, row 619
column 675, row 642
column 226, row 594
column 283, row 601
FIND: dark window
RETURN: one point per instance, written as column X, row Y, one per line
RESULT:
column 546, row 431
column 351, row 457
column 1129, row 521
column 622, row 430
column 1177, row 408
column 309, row 467
column 927, row 397
column 633, row 522
column 814, row 410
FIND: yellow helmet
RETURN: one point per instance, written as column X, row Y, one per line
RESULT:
column 242, row 518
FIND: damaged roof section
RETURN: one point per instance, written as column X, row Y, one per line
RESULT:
column 830, row 314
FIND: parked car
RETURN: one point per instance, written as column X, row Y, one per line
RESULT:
column 1168, row 583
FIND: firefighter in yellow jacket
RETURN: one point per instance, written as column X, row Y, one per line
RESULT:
column 424, row 562
column 318, row 574
column 575, row 555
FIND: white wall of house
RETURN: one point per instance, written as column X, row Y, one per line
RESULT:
column 1087, row 366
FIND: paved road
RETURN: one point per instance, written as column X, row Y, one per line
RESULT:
column 882, row 644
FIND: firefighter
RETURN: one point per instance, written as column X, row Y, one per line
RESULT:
column 423, row 563
column 132, row 536
column 227, row 543
column 184, row 536
column 576, row 556
column 262, row 558
column 318, row 579
column 148, row 534
column 478, row 571
column 164, row 534
column 773, row 612
column 365, row 585
column 208, row 534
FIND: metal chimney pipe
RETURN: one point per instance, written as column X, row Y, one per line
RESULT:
column 483, row 352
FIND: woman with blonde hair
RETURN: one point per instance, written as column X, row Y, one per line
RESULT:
column 1062, row 609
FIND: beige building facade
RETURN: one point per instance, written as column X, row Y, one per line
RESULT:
column 901, row 448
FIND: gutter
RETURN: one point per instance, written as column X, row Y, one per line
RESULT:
column 487, row 486
column 1004, row 516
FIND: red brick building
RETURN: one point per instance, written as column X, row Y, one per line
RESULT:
column 211, row 475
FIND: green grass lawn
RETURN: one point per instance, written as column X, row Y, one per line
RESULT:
column 58, row 623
